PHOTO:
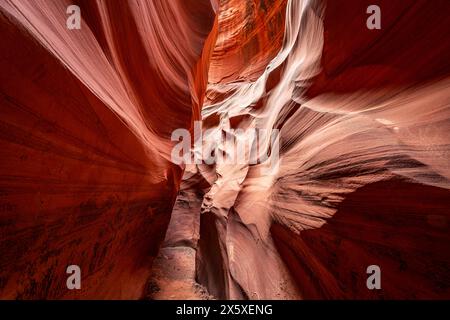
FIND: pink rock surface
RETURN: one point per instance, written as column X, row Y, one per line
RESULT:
column 359, row 113
column 86, row 118
column 362, row 175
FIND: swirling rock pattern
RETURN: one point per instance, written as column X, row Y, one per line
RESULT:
column 86, row 118
column 362, row 177
column 364, row 157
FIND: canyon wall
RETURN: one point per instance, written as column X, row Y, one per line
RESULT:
column 357, row 174
column 362, row 174
column 86, row 118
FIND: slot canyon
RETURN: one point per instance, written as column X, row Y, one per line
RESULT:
column 361, row 175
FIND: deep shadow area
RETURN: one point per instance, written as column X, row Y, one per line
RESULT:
column 402, row 227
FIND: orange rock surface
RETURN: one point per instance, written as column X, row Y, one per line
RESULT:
column 86, row 118
column 361, row 176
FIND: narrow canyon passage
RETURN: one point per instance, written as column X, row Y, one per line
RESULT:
column 351, row 186
column 345, row 161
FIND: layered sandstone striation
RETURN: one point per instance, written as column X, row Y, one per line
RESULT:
column 86, row 118
column 359, row 176
column 363, row 170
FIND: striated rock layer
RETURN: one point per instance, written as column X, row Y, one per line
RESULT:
column 363, row 173
column 359, row 174
column 85, row 124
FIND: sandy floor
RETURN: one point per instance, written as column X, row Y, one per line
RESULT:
column 174, row 276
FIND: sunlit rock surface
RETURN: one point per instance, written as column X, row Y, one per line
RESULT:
column 361, row 178
column 363, row 173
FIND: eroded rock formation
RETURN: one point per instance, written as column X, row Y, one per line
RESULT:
column 359, row 177
column 363, row 152
column 86, row 118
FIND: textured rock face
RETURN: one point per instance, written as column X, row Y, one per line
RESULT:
column 361, row 176
column 86, row 118
column 402, row 222
column 174, row 271
column 363, row 165
column 250, row 34
column 399, row 226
